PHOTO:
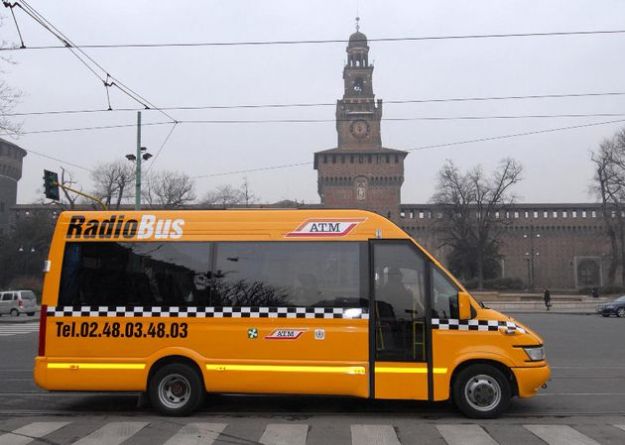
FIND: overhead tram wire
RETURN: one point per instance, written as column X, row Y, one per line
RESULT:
column 319, row 121
column 160, row 150
column 17, row 26
column 424, row 147
column 99, row 127
column 324, row 104
column 253, row 170
column 399, row 119
column 324, row 41
column 515, row 135
column 62, row 161
column 75, row 49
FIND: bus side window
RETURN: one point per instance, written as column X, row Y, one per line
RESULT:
column 444, row 296
column 300, row 274
column 135, row 274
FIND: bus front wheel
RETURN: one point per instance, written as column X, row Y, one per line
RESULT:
column 481, row 391
column 176, row 390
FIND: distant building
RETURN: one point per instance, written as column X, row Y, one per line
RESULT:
column 558, row 246
column 10, row 172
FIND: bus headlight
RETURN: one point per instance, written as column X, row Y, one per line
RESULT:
column 535, row 353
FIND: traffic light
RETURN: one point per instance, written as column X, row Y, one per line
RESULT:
column 51, row 185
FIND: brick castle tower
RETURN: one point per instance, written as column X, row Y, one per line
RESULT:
column 360, row 172
column 10, row 173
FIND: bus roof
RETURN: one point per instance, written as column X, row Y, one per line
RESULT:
column 232, row 225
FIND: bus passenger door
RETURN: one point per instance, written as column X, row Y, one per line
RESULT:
column 399, row 331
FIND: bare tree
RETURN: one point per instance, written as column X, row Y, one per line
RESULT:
column 247, row 197
column 224, row 195
column 472, row 213
column 168, row 189
column 609, row 186
column 9, row 98
column 70, row 197
column 228, row 195
column 113, row 182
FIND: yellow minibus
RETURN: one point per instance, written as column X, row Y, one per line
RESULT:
column 179, row 304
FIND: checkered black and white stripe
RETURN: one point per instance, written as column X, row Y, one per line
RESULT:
column 452, row 324
column 208, row 312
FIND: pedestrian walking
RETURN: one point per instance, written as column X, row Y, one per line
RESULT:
column 547, row 298
column 595, row 292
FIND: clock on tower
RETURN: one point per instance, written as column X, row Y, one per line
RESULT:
column 358, row 113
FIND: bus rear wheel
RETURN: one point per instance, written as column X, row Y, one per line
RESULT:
column 481, row 391
column 176, row 390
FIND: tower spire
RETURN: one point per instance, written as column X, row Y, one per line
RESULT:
column 357, row 23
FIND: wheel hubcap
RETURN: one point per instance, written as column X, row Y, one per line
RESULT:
column 483, row 392
column 174, row 391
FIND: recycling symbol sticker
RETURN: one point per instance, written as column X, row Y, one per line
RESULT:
column 252, row 333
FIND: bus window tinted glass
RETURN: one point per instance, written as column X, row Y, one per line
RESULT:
column 444, row 296
column 399, row 302
column 289, row 274
column 135, row 274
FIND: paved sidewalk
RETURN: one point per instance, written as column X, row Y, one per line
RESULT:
column 522, row 308
column 533, row 303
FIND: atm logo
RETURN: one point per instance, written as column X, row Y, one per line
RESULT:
column 321, row 228
column 120, row 227
column 285, row 334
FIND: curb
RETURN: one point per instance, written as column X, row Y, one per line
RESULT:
column 19, row 320
column 549, row 312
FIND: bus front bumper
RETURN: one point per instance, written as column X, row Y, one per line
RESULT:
column 531, row 379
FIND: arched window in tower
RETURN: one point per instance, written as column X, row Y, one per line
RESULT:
column 360, row 186
column 358, row 85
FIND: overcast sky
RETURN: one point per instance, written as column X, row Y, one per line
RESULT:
column 557, row 166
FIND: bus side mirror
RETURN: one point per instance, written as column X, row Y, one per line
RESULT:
column 464, row 305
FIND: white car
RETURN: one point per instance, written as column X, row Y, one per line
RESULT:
column 16, row 302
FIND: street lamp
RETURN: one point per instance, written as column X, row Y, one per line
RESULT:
column 142, row 153
column 530, row 257
column 24, row 258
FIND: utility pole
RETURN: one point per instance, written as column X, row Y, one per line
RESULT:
column 142, row 155
column 138, row 166
column 531, row 257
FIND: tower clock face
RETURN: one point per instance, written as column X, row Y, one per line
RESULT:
column 357, row 86
column 359, row 129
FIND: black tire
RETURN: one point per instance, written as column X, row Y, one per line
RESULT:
column 176, row 390
column 15, row 313
column 481, row 392
column 620, row 312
